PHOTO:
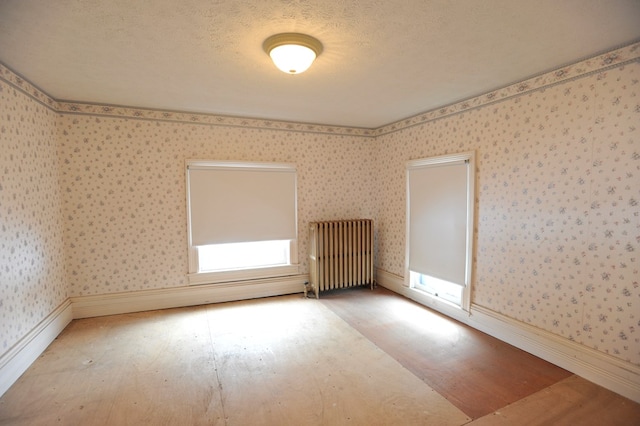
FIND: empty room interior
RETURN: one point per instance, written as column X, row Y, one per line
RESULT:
column 434, row 220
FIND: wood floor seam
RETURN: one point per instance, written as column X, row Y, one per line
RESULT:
column 358, row 357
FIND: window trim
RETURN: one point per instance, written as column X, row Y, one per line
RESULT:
column 468, row 157
column 213, row 277
column 242, row 274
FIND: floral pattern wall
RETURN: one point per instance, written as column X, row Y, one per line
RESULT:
column 123, row 182
column 557, row 238
column 92, row 198
column 32, row 265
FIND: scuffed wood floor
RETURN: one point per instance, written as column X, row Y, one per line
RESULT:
column 356, row 357
column 487, row 379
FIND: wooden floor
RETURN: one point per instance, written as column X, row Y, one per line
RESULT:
column 356, row 357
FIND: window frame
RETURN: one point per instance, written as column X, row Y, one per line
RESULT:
column 225, row 276
column 443, row 160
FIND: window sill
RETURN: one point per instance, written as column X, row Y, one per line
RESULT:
column 431, row 300
column 242, row 274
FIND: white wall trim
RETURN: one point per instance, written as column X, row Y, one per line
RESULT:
column 145, row 300
column 16, row 360
column 605, row 370
column 600, row 368
column 200, row 278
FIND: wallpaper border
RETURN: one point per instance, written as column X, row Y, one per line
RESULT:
column 20, row 83
column 600, row 63
column 102, row 110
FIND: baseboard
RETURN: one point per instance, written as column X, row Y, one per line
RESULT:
column 605, row 370
column 600, row 368
column 147, row 300
column 16, row 360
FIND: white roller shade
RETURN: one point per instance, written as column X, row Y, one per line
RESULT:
column 438, row 220
column 241, row 202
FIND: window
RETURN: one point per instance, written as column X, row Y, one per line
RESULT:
column 440, row 226
column 222, row 257
column 435, row 287
column 242, row 220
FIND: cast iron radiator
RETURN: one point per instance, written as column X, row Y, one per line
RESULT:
column 340, row 254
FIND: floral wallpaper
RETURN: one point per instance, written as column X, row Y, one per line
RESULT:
column 557, row 242
column 123, row 182
column 32, row 272
column 92, row 198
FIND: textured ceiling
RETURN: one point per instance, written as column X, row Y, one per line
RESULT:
column 383, row 60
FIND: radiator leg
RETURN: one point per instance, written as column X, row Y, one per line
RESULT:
column 310, row 288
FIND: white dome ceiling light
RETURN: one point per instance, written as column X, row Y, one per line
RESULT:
column 292, row 53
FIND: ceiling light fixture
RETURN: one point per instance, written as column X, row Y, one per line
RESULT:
column 292, row 53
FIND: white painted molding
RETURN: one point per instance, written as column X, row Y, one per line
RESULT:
column 239, row 274
column 397, row 284
column 146, row 300
column 605, row 370
column 600, row 368
column 16, row 360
